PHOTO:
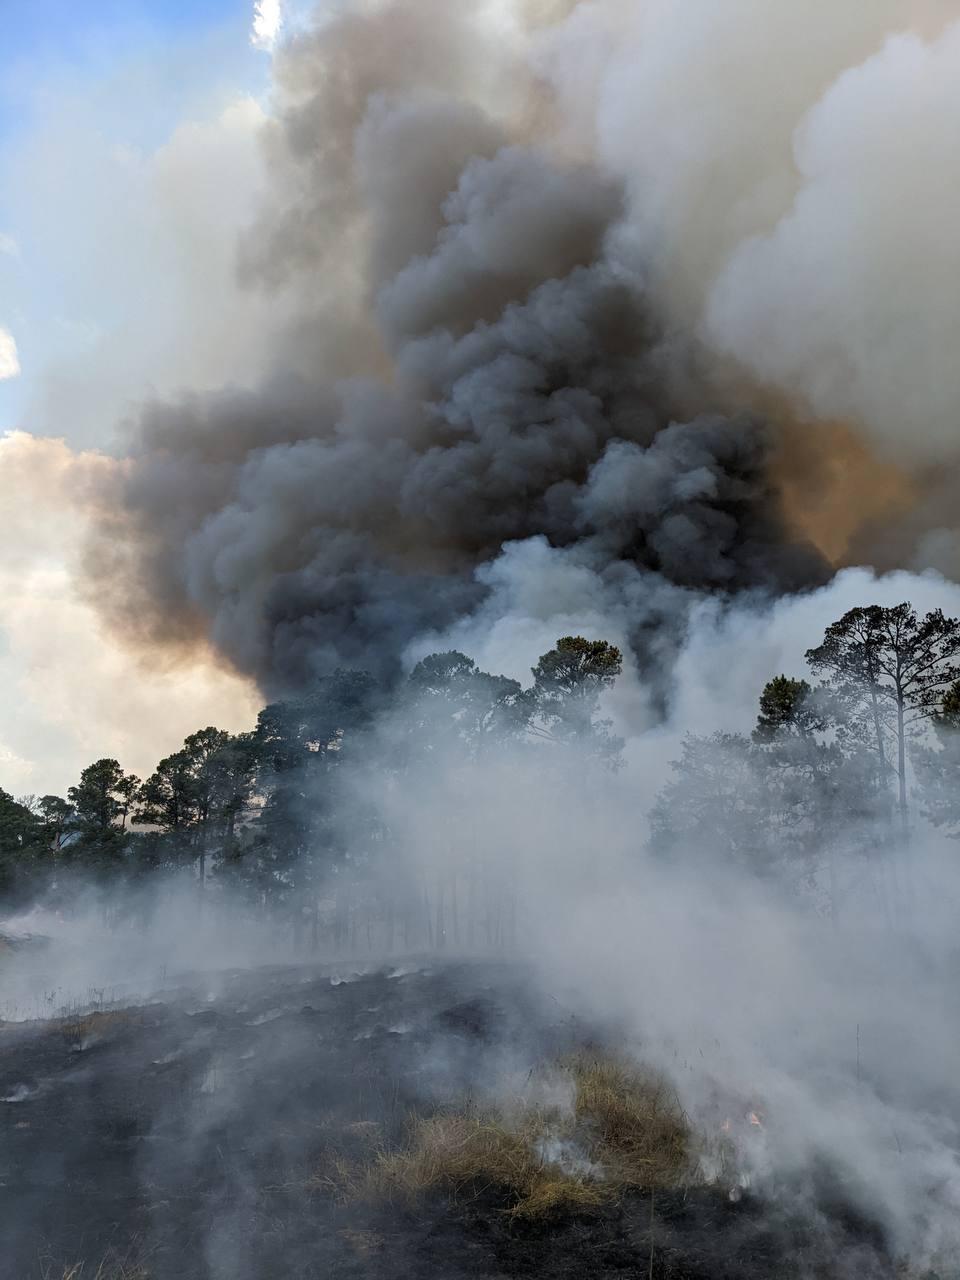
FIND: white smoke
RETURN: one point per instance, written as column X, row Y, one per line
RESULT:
column 853, row 299
column 793, row 174
column 733, row 988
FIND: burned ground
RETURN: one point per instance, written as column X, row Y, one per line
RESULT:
column 198, row 1137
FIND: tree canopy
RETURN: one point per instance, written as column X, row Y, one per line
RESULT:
column 807, row 794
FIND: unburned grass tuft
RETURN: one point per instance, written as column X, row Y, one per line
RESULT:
column 617, row 1128
column 640, row 1132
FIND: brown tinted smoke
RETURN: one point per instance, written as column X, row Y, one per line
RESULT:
column 471, row 367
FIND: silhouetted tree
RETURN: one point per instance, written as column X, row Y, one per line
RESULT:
column 194, row 797
column 888, row 670
column 301, row 746
column 450, row 704
column 714, row 807
column 55, row 815
column 23, row 847
column 789, row 801
column 567, row 685
column 938, row 766
column 101, row 802
column 787, row 706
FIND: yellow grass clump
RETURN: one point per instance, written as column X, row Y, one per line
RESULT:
column 641, row 1134
column 617, row 1128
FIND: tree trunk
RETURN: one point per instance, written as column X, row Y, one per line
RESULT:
column 878, row 730
column 902, row 764
column 441, row 926
column 427, row 916
column 454, row 908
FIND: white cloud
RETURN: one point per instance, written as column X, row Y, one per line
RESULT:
column 8, row 245
column 267, row 21
column 70, row 692
column 9, row 360
column 164, row 225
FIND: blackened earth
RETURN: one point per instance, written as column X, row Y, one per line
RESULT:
column 194, row 1136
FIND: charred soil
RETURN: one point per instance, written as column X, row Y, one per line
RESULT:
column 205, row 1135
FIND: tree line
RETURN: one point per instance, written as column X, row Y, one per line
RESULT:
column 266, row 811
column 828, row 782
column 822, row 792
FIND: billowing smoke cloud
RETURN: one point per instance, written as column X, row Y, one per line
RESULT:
column 791, row 172
column 537, row 269
column 474, row 367
column 851, row 298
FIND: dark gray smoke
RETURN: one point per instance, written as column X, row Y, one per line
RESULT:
column 472, row 367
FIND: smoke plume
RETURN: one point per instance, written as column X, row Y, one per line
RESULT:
column 477, row 363
column 664, row 296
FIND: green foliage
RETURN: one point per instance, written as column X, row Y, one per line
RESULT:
column 567, row 686
column 101, row 803
column 577, row 669
column 787, row 802
column 711, row 808
column 888, row 670
column 946, row 718
column 787, row 706
column 195, row 797
column 300, row 747
column 938, row 766
column 303, row 732
column 450, row 704
column 891, row 654
column 283, row 814
column 21, row 841
column 54, row 814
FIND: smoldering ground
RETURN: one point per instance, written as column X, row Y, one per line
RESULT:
column 523, row 882
column 220, row 1156
column 193, row 1131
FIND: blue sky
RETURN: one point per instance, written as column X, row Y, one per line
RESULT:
column 48, row 40
column 130, row 163
column 120, row 74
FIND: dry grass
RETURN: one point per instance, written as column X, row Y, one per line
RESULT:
column 641, row 1135
column 470, row 1152
column 85, row 1029
column 560, row 1194
column 614, row 1128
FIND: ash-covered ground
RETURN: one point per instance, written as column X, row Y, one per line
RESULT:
column 191, row 1137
